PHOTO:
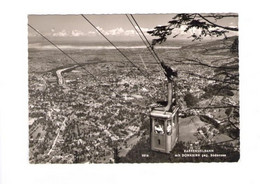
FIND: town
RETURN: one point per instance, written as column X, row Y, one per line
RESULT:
column 77, row 118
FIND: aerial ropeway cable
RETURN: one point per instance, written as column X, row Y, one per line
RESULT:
column 164, row 68
column 150, row 46
column 108, row 41
column 62, row 51
column 95, row 78
column 113, row 44
column 147, row 46
column 80, row 65
column 167, row 70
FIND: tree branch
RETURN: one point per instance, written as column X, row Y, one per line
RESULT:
column 222, row 16
column 216, row 25
column 216, row 80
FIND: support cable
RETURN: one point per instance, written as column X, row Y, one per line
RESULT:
column 155, row 56
column 62, row 51
column 95, row 78
column 113, row 44
column 142, row 38
column 146, row 39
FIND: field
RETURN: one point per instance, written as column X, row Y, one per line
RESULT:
column 104, row 103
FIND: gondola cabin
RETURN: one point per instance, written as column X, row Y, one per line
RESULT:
column 164, row 130
column 164, row 121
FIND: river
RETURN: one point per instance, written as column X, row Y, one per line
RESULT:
column 60, row 71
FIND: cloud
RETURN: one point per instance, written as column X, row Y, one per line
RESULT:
column 77, row 33
column 119, row 31
column 62, row 33
column 144, row 30
column 116, row 31
column 92, row 33
column 101, row 30
column 130, row 33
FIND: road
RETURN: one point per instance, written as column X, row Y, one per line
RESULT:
column 58, row 134
column 59, row 74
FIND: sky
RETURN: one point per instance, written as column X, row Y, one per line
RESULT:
column 114, row 26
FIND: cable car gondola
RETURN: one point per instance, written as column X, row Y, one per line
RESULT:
column 164, row 123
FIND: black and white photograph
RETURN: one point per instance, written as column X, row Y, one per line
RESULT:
column 129, row 92
column 133, row 88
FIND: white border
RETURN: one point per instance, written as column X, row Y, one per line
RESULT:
column 14, row 166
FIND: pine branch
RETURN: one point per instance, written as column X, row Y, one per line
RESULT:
column 216, row 25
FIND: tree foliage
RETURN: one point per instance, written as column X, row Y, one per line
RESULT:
column 190, row 100
column 225, row 75
column 205, row 23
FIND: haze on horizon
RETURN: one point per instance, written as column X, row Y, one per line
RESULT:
column 115, row 27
